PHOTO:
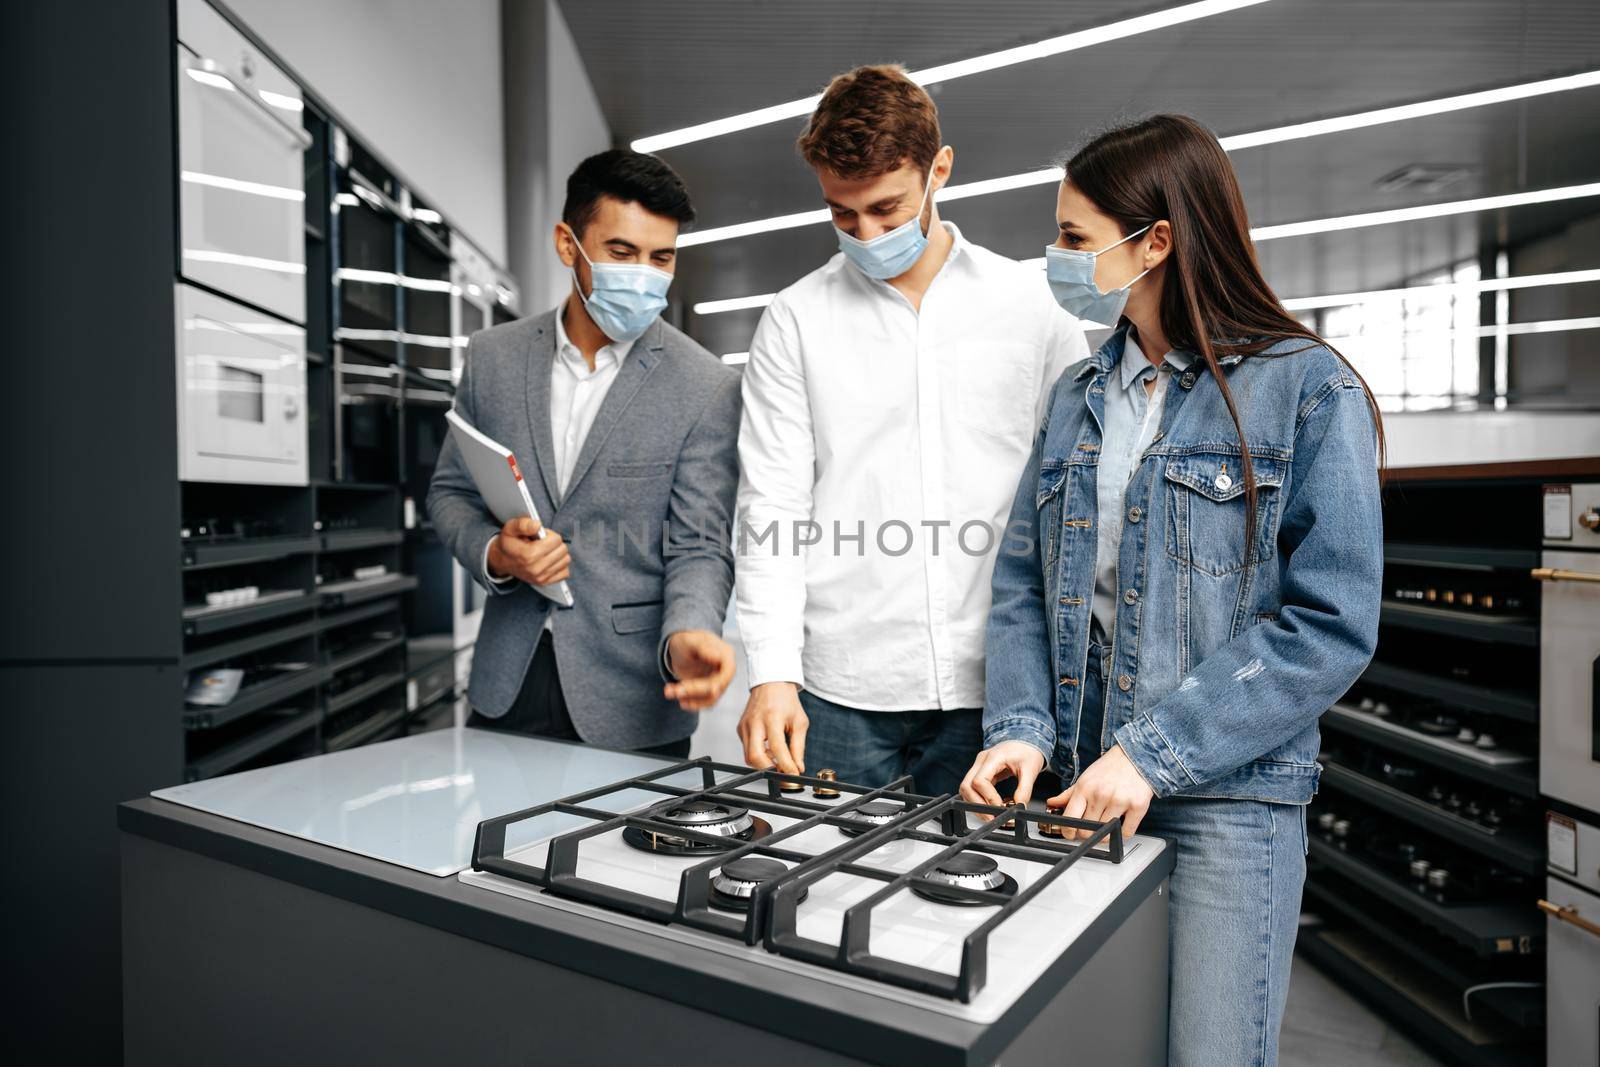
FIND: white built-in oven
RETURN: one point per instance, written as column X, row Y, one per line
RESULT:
column 241, row 392
column 241, row 171
column 1569, row 767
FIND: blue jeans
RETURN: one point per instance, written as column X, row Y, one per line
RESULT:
column 936, row 747
column 1235, row 909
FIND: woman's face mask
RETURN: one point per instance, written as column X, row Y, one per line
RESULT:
column 1070, row 275
column 624, row 298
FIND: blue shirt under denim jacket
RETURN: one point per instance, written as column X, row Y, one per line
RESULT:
column 1220, row 670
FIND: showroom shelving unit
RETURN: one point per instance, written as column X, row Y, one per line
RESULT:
column 1458, row 959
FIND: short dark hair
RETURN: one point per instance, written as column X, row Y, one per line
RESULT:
column 631, row 177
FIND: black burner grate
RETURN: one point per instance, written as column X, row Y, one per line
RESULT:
column 773, row 905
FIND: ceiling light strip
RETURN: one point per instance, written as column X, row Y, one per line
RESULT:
column 1067, row 42
column 1486, row 285
column 1275, row 135
column 1424, row 211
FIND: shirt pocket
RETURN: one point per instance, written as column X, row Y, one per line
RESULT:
column 638, row 470
column 636, row 618
column 1208, row 510
column 1047, row 502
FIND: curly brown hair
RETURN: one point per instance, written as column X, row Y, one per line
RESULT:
column 870, row 121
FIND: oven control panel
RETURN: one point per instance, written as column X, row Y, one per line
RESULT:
column 1572, row 515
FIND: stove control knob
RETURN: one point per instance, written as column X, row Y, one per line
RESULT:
column 1590, row 520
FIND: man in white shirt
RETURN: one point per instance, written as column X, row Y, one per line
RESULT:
column 890, row 401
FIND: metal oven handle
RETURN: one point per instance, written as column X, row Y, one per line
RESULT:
column 1568, row 914
column 211, row 66
column 1558, row 574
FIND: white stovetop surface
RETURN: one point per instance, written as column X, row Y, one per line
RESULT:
column 415, row 801
column 905, row 927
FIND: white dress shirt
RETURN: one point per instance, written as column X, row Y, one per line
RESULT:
column 576, row 393
column 901, row 436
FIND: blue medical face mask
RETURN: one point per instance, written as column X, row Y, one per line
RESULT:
column 624, row 298
column 891, row 254
column 1070, row 274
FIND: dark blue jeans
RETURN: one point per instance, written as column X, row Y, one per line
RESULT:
column 936, row 747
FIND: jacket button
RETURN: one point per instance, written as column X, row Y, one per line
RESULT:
column 1187, row 381
column 1131, row 596
column 1135, row 513
column 1124, row 683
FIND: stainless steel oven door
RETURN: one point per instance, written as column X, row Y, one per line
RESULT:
column 1569, row 675
column 1572, row 971
column 241, row 393
column 241, row 171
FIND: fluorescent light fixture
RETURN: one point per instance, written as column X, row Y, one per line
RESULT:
column 239, row 185
column 733, row 359
column 234, row 259
column 1486, row 285
column 264, row 329
column 1296, row 131
column 1508, row 329
column 1402, row 112
column 738, row 303
column 1424, row 211
column 1053, row 46
column 281, row 101
column 426, row 214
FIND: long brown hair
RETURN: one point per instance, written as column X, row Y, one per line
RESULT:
column 1215, row 301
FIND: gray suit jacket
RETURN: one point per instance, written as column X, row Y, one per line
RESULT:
column 648, row 513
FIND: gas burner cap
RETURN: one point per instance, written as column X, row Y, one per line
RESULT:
column 966, row 870
column 703, row 817
column 873, row 814
column 735, row 882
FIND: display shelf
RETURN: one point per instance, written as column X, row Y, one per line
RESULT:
column 1400, row 990
column 248, row 748
column 1499, row 845
column 200, row 619
column 363, row 653
column 253, row 698
column 353, row 696
column 245, row 646
column 337, row 619
column 202, row 555
column 1461, row 557
column 1499, row 629
column 1469, row 696
column 1518, row 778
column 1486, row 929
column 366, row 731
column 339, row 594
column 349, row 540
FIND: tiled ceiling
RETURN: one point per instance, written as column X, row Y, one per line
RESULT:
column 661, row 65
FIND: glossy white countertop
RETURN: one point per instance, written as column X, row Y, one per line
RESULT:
column 415, row 801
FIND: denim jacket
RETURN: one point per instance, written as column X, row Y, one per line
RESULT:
column 1220, row 668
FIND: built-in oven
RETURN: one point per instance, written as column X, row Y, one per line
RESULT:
column 367, row 218
column 366, row 431
column 1569, row 767
column 241, row 392
column 241, row 148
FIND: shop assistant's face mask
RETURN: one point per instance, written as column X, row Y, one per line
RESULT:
column 624, row 298
column 890, row 254
column 1070, row 274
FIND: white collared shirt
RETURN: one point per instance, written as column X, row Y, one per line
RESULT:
column 576, row 394
column 901, row 435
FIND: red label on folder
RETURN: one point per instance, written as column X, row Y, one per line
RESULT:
column 515, row 473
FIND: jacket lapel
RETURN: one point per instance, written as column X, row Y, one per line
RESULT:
column 540, row 361
column 642, row 358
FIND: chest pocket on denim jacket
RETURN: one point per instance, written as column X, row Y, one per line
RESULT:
column 1048, row 502
column 1208, row 510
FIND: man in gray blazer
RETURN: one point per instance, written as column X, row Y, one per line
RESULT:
column 626, row 432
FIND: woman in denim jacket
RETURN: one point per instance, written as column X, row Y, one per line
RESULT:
column 1202, row 578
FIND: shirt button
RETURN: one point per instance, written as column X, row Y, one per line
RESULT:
column 1135, row 513
column 1124, row 683
column 1131, row 596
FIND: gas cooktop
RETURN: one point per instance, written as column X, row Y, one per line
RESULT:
column 885, row 890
